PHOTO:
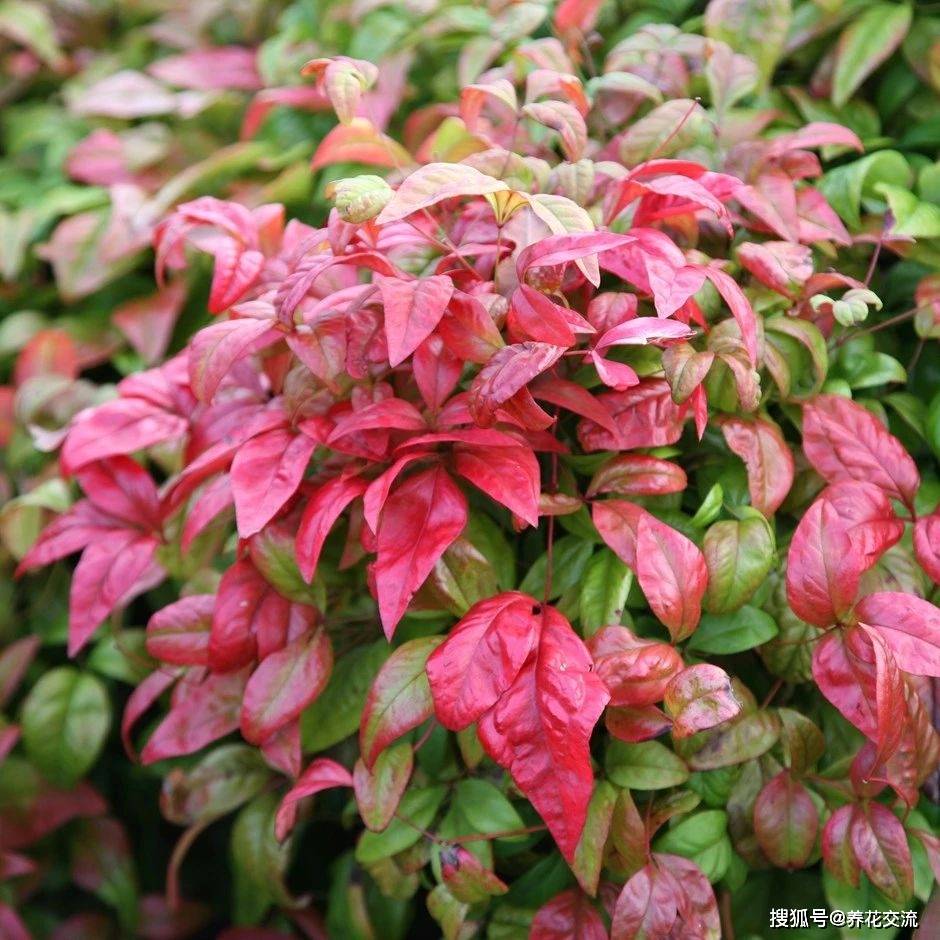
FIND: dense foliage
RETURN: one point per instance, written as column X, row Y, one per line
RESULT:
column 531, row 498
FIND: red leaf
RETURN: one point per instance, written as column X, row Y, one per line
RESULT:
column 436, row 371
column 508, row 370
column 823, row 567
column 617, row 521
column 109, row 574
column 843, row 441
column 838, row 856
column 786, row 821
column 638, row 475
column 216, row 348
column 568, row 916
column 399, row 698
column 648, row 906
column 636, row 724
column 509, row 475
column 265, row 474
column 323, row 509
column 635, row 671
column 855, row 671
column 118, row 427
column 244, row 600
column 540, row 729
column 481, row 658
column 322, row 774
column 561, row 249
column 387, row 414
column 927, row 544
column 15, row 659
column 739, row 305
column 466, row 878
column 880, row 846
column 672, row 572
column 769, row 461
column 420, row 520
column 412, row 311
column 215, row 498
column 202, row 712
column 646, row 416
column 179, row 633
column 575, row 398
column 909, row 626
column 285, row 683
column 700, row 697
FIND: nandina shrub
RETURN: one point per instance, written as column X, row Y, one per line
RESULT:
column 536, row 483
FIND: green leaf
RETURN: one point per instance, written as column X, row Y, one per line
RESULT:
column 739, row 555
column 589, row 854
column 419, row 807
column 487, row 536
column 102, row 863
column 734, row 632
column 703, row 838
column 756, row 28
column 569, row 556
column 912, row 217
column 220, row 782
column 865, row 44
column 259, row 861
column 486, row 808
column 708, row 512
column 648, row 765
column 847, row 186
column 604, row 589
column 65, row 720
column 795, row 338
column 932, row 424
column 336, row 713
column 31, row 25
column 122, row 656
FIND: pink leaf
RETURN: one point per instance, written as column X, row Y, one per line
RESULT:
column 909, row 626
column 412, row 311
column 108, row 575
column 769, row 461
column 201, row 713
column 844, row 441
column 322, row 774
